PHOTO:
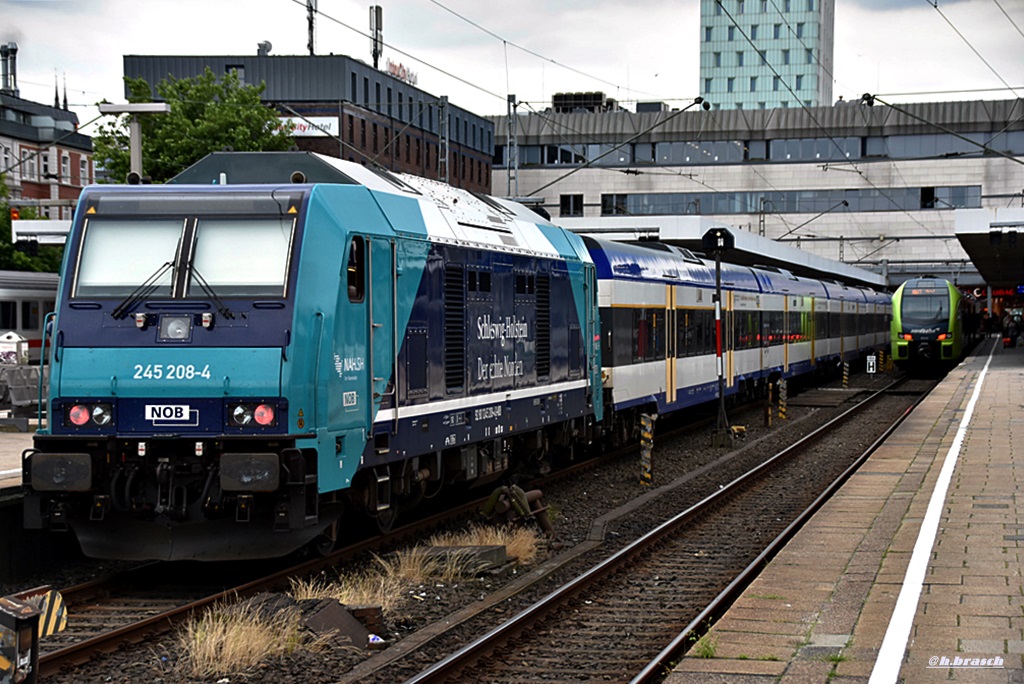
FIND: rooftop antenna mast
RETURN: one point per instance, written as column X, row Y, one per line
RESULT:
column 376, row 33
column 311, row 18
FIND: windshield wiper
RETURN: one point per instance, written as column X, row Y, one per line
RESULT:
column 222, row 308
column 140, row 293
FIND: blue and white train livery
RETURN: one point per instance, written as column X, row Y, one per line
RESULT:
column 659, row 345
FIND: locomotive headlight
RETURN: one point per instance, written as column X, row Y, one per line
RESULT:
column 241, row 415
column 101, row 414
column 252, row 415
column 264, row 415
column 78, row 415
column 175, row 327
column 87, row 415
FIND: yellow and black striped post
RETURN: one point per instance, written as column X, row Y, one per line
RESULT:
column 846, row 374
column 646, row 447
column 768, row 406
column 881, row 360
column 19, row 641
column 783, row 396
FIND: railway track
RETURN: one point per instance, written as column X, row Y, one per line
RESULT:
column 131, row 608
column 629, row 615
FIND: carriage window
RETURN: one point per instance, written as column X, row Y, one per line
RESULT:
column 151, row 244
column 259, row 250
column 356, row 262
column 30, row 315
column 8, row 313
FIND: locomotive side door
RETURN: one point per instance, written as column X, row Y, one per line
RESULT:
column 382, row 324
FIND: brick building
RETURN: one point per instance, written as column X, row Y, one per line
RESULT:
column 347, row 109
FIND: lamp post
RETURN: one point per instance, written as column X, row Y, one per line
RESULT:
column 135, row 130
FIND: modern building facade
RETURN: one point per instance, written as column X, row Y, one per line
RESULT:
column 762, row 54
column 873, row 186
column 347, row 109
column 44, row 160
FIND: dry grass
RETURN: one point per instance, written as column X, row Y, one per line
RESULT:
column 232, row 639
column 362, row 588
column 519, row 541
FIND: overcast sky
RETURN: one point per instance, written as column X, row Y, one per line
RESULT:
column 646, row 50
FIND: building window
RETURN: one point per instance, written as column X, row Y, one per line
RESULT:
column 28, row 164
column 44, row 159
column 613, row 205
column 571, row 205
column 764, row 5
column 717, row 59
column 366, row 91
column 753, row 32
column 785, row 56
column 718, row 9
column 707, row 86
column 739, row 6
column 775, row 84
column 799, row 82
column 810, row 56
column 800, row 30
column 739, row 58
column 764, row 58
column 239, row 72
column 732, row 33
column 810, row 5
column 729, row 84
column 83, row 171
column 761, row 105
column 739, row 105
column 707, row 34
column 777, row 31
column 753, row 83
column 786, row 6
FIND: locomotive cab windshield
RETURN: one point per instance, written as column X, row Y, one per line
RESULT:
column 233, row 246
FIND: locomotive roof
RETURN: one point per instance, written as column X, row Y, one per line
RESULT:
column 447, row 213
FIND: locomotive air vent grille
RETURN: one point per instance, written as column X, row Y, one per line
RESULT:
column 543, row 360
column 454, row 329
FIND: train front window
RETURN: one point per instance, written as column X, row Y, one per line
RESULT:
column 925, row 309
column 241, row 257
column 119, row 256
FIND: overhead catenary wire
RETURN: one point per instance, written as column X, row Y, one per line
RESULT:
column 528, row 51
column 1009, row 18
column 817, row 123
column 935, row 4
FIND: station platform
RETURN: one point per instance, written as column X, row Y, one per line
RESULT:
column 12, row 444
column 912, row 572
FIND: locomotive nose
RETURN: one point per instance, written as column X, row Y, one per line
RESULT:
column 924, row 350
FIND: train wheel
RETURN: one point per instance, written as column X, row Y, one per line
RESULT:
column 386, row 519
column 325, row 543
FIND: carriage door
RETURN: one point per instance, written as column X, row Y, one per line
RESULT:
column 383, row 375
column 671, row 337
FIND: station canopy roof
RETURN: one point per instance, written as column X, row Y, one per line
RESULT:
column 994, row 240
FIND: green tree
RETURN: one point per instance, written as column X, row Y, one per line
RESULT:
column 12, row 259
column 207, row 115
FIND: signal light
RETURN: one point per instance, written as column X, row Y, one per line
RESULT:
column 15, row 213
